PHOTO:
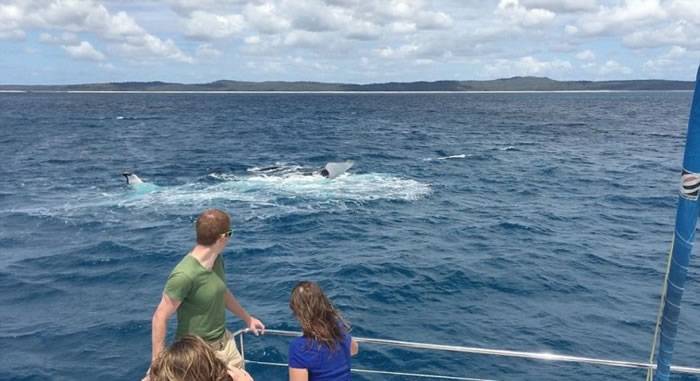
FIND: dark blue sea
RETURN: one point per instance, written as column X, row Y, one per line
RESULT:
column 534, row 222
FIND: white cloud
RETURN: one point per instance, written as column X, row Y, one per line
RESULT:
column 610, row 69
column 403, row 27
column 204, row 25
column 267, row 66
column 562, row 6
column 423, row 62
column 402, row 11
column 16, row 34
column 106, row 66
column 266, row 18
column 589, row 66
column 414, row 52
column 585, row 55
column 526, row 66
column 264, row 45
column 676, row 52
column 685, row 9
column 10, row 13
column 65, row 38
column 363, row 20
column 88, row 16
column 667, row 59
column 301, row 62
column 11, row 17
column 613, row 67
column 84, row 51
column 426, row 20
column 397, row 9
column 185, row 7
column 362, row 30
column 404, row 51
column 85, row 16
column 119, row 25
column 300, row 38
column 207, row 51
column 532, row 65
column 631, row 15
column 308, row 23
column 252, row 40
column 680, row 33
column 323, row 67
column 398, row 36
column 149, row 45
column 316, row 16
column 521, row 15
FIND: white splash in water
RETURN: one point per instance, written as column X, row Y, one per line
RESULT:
column 264, row 191
column 265, row 196
column 354, row 187
column 461, row 156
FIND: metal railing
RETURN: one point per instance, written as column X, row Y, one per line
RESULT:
column 542, row 356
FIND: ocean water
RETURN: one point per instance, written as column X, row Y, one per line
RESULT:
column 535, row 222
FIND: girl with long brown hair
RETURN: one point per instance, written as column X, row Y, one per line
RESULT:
column 192, row 359
column 324, row 350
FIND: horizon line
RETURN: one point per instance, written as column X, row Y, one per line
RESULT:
column 349, row 83
column 328, row 91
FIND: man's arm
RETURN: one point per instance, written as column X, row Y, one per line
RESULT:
column 354, row 347
column 296, row 374
column 166, row 308
column 232, row 305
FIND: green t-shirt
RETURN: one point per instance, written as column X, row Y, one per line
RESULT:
column 201, row 291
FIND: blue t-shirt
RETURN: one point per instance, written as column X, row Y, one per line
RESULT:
column 321, row 363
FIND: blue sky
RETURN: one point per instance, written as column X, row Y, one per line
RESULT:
column 358, row 41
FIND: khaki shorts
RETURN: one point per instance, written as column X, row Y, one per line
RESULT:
column 226, row 350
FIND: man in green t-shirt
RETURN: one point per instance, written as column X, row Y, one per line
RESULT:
column 196, row 289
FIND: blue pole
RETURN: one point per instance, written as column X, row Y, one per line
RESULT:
column 686, row 219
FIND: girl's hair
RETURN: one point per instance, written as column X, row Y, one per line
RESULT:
column 318, row 318
column 189, row 359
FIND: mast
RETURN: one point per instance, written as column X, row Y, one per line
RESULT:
column 686, row 219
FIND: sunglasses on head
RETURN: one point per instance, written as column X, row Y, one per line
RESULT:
column 229, row 233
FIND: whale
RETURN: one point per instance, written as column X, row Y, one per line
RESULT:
column 333, row 170
column 138, row 185
column 132, row 179
column 330, row 171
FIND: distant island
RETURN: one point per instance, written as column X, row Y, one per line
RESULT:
column 505, row 84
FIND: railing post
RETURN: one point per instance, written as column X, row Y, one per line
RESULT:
column 242, row 349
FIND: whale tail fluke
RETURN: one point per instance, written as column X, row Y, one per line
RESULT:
column 333, row 170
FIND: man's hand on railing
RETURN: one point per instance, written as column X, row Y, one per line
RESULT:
column 256, row 326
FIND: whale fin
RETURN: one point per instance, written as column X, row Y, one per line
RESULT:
column 138, row 186
column 333, row 170
column 132, row 179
